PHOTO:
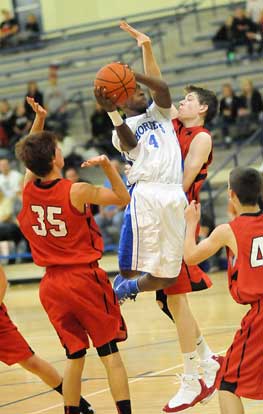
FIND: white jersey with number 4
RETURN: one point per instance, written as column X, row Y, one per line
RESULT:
column 157, row 156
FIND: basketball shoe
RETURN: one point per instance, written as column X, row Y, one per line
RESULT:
column 211, row 368
column 192, row 391
column 125, row 288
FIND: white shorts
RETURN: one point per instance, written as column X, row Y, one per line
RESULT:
column 152, row 235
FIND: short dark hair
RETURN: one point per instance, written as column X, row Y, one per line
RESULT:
column 37, row 151
column 205, row 97
column 247, row 184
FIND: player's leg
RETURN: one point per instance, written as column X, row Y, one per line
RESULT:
column 230, row 403
column 117, row 376
column 72, row 384
column 192, row 389
column 48, row 374
column 43, row 370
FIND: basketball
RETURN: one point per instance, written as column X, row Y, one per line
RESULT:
column 118, row 80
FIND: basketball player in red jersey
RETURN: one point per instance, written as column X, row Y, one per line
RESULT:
column 63, row 236
column 15, row 350
column 242, row 372
column 198, row 106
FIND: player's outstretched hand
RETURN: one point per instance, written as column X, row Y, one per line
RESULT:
column 101, row 95
column 101, row 160
column 139, row 36
column 37, row 108
column 192, row 213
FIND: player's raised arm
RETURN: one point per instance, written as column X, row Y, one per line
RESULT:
column 38, row 126
column 83, row 193
column 150, row 64
column 40, row 115
column 151, row 67
column 3, row 284
column 160, row 91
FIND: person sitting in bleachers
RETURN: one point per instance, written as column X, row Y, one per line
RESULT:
column 22, row 125
column 228, row 108
column 8, row 29
column 110, row 218
column 31, row 31
column 10, row 179
column 250, row 109
column 33, row 92
column 55, row 101
column 101, row 129
column 242, row 25
column 6, row 119
column 258, row 35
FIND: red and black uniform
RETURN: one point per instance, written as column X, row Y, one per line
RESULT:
column 191, row 278
column 13, row 347
column 75, row 292
column 242, row 371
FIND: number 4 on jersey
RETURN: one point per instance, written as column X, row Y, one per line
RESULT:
column 256, row 257
column 153, row 141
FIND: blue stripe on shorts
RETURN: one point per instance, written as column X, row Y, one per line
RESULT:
column 126, row 239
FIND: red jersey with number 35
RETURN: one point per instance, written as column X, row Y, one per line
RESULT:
column 185, row 137
column 245, row 272
column 57, row 232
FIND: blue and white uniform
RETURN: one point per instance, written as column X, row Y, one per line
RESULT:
column 153, row 230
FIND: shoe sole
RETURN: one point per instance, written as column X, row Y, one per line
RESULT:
column 208, row 398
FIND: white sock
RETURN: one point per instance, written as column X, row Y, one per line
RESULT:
column 203, row 349
column 191, row 363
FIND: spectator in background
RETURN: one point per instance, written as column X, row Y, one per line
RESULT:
column 228, row 112
column 8, row 29
column 223, row 36
column 101, row 129
column 55, row 101
column 22, row 125
column 242, row 25
column 110, row 218
column 250, row 107
column 31, row 32
column 9, row 231
column 258, row 35
column 7, row 118
column 10, row 180
column 33, row 92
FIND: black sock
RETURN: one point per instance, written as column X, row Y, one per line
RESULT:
column 69, row 409
column 59, row 389
column 124, row 406
column 84, row 405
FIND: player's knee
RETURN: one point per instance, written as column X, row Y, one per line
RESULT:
column 107, row 349
column 32, row 364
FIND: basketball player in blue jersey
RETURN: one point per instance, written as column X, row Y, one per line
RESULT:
column 196, row 147
column 152, row 235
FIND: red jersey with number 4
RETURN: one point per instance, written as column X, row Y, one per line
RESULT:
column 57, row 232
column 245, row 272
column 185, row 137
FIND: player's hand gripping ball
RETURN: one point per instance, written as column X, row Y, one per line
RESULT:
column 118, row 80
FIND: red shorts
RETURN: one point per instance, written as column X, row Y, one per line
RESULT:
column 190, row 279
column 80, row 302
column 242, row 371
column 13, row 347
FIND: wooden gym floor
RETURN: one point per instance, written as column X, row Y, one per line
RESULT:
column 151, row 353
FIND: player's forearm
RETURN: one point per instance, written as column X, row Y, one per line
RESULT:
column 38, row 124
column 118, row 187
column 3, row 285
column 190, row 246
column 126, row 136
column 151, row 67
column 159, row 89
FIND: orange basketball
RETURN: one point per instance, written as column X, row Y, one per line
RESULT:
column 118, row 80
